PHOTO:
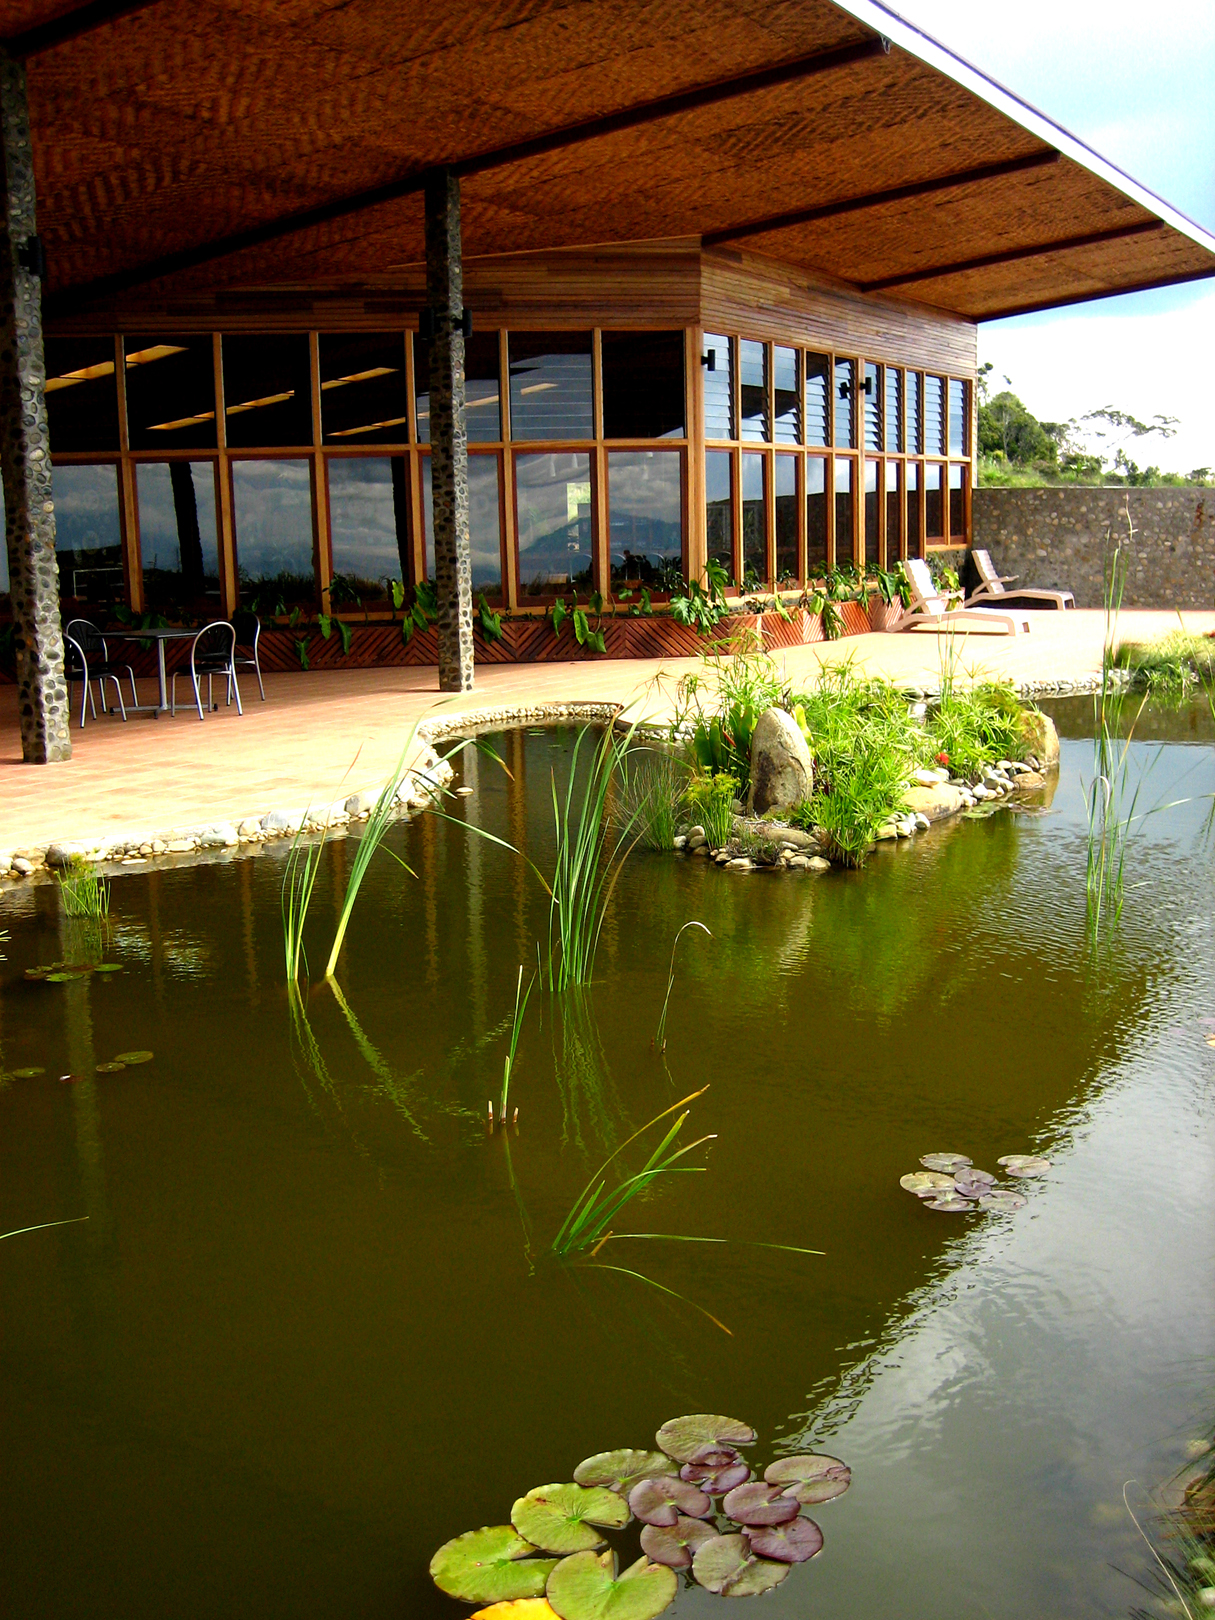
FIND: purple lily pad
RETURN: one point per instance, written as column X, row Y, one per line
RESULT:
column 950, row 1163
column 664, row 1501
column 758, row 1503
column 805, row 1465
column 791, row 1543
column 683, row 1437
column 716, row 1470
column 955, row 1204
column 727, row 1566
column 1005, row 1203
column 973, row 1183
column 675, row 1545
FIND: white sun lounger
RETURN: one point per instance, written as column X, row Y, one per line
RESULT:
column 928, row 607
column 992, row 586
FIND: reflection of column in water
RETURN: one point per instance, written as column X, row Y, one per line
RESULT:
column 475, row 902
column 82, row 1063
column 516, row 799
column 430, row 899
column 154, row 939
column 248, row 934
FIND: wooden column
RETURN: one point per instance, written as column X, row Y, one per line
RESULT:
column 25, row 444
column 696, row 539
column 229, row 579
column 449, row 432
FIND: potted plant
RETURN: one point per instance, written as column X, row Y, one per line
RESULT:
column 885, row 608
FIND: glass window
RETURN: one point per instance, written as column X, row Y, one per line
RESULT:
column 645, row 508
column 754, row 522
column 88, row 533
column 718, row 374
column 4, row 585
column 719, row 508
column 170, row 393
column 843, row 510
column 915, row 507
column 957, row 417
column 272, row 508
column 915, row 438
column 81, row 394
column 816, row 516
column 553, row 499
column 178, row 534
column 844, row 412
column 550, row 385
column 788, row 428
column 368, row 526
column 957, row 503
column 267, row 390
column 873, row 408
column 363, row 396
column 753, row 387
column 934, row 416
column 894, row 516
column 934, row 515
column 642, row 385
column 481, row 389
column 894, row 409
column 873, row 533
column 818, row 399
column 484, row 523
column 785, row 503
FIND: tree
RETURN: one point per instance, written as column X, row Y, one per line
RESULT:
column 1007, row 428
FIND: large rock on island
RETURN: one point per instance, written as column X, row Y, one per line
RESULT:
column 782, row 772
column 1041, row 738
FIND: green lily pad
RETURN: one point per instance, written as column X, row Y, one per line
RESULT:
column 585, row 1587
column 683, row 1437
column 110, row 1068
column 61, row 977
column 663, row 1501
column 108, row 967
column 31, row 1073
column 490, row 1566
column 621, row 1470
column 561, row 1518
column 791, row 1543
column 675, row 1544
column 41, row 972
column 726, row 1565
column 130, row 1058
column 925, row 1183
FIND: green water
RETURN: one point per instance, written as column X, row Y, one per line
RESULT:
column 310, row 1330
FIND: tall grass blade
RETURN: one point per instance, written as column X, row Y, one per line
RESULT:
column 516, row 1027
column 660, row 1038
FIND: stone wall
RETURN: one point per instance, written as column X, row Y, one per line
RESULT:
column 1054, row 538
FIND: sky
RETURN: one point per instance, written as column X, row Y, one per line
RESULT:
column 1137, row 83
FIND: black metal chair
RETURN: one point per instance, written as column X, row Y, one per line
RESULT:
column 212, row 653
column 86, row 658
column 248, row 629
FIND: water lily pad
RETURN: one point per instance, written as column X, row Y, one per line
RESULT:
column 1024, row 1164
column 621, row 1470
column 791, row 1543
column 30, row 1073
column 955, row 1204
column 561, row 1518
column 683, row 1437
column 61, row 977
column 489, row 1566
column 759, row 1503
column 1005, row 1203
column 586, row 1587
column 973, row 1183
column 41, row 972
column 949, row 1162
column 518, row 1609
column 805, row 1465
column 110, row 1068
column 130, row 1058
column 663, row 1501
column 925, row 1183
column 726, row 1565
column 675, row 1545
column 108, row 967
column 716, row 1469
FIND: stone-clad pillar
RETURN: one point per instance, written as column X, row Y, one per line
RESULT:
column 25, row 446
column 449, row 432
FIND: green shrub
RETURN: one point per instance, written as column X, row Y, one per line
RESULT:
column 711, row 803
column 976, row 725
column 1172, row 666
column 84, row 891
column 650, row 796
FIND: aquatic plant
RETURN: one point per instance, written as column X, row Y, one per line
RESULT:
column 83, row 890
column 744, row 1544
column 716, row 708
column 660, row 1038
column 1171, row 666
column 650, row 795
column 711, row 802
column 42, row 1226
column 521, row 1001
column 295, row 896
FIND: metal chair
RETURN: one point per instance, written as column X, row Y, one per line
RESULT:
column 212, row 653
column 86, row 659
column 248, row 629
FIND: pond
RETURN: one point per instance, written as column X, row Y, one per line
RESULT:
column 311, row 1327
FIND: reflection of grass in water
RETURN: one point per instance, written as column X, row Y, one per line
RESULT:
column 391, row 1086
column 580, row 1065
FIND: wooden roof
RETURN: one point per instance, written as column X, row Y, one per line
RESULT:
column 254, row 144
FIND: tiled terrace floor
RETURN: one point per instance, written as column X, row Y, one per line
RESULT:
column 300, row 746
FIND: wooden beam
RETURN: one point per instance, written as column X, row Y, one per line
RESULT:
column 1013, row 255
column 413, row 181
column 1093, row 297
column 71, row 25
column 875, row 199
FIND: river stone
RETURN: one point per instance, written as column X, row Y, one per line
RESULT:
column 220, row 836
column 818, row 863
column 942, row 799
column 63, row 854
column 1040, row 737
column 782, row 772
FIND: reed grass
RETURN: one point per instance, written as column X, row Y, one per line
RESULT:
column 83, row 890
column 650, row 795
column 521, row 1000
column 295, row 896
column 711, row 803
column 660, row 1038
